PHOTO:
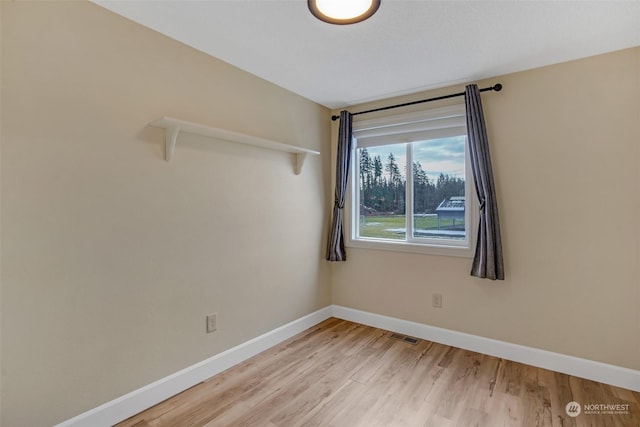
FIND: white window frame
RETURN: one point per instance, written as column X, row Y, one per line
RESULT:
column 429, row 124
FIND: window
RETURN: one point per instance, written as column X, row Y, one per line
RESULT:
column 411, row 186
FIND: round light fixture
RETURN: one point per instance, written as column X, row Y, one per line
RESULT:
column 343, row 12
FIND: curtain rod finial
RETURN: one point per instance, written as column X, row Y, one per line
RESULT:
column 497, row 87
column 334, row 118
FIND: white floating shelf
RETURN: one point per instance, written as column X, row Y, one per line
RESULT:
column 173, row 127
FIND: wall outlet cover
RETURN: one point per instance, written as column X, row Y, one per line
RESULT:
column 212, row 322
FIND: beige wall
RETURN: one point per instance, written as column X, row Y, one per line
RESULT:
column 111, row 256
column 565, row 142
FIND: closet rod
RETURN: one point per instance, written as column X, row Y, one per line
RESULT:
column 497, row 87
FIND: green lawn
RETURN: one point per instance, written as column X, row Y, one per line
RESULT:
column 392, row 226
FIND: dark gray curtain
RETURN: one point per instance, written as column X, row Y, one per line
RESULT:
column 487, row 261
column 335, row 246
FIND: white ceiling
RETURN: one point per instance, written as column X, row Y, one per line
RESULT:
column 406, row 47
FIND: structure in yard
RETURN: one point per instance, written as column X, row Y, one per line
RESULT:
column 451, row 208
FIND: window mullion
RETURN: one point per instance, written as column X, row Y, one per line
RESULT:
column 408, row 209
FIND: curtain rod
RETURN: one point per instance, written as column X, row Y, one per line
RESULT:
column 497, row 87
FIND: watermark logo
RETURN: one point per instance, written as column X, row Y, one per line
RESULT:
column 573, row 409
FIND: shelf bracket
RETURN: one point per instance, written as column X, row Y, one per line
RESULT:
column 300, row 158
column 170, row 137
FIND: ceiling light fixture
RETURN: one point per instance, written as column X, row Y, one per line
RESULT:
column 343, row 12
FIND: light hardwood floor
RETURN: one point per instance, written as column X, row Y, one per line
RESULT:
column 344, row 374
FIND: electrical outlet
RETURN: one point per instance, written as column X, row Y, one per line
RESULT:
column 212, row 322
column 436, row 300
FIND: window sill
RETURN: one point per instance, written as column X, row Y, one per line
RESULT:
column 385, row 245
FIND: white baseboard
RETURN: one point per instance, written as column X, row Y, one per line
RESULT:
column 583, row 368
column 138, row 400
